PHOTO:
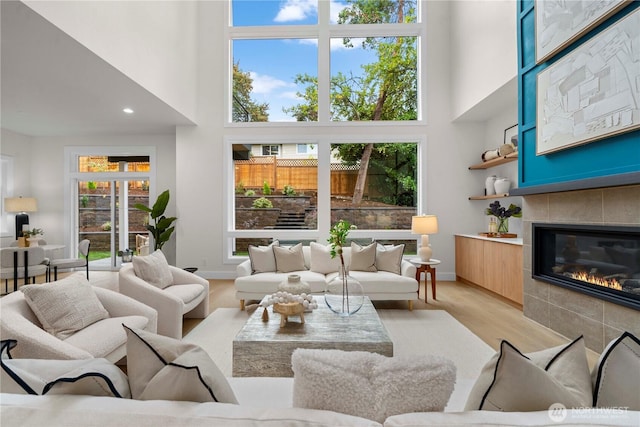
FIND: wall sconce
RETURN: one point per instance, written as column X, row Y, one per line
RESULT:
column 424, row 225
column 20, row 206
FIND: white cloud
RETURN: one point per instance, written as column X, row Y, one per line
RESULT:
column 263, row 84
column 296, row 10
column 299, row 10
column 290, row 95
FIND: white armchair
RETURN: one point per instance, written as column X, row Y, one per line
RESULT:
column 105, row 338
column 188, row 296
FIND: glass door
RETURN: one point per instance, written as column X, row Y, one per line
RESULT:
column 108, row 218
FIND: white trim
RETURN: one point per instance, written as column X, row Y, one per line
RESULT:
column 72, row 176
column 321, row 234
column 6, row 190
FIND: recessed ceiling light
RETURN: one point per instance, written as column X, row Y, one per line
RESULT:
column 128, row 110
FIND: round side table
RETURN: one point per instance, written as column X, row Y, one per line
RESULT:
column 428, row 267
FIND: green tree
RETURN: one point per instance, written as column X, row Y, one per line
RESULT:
column 386, row 90
column 245, row 109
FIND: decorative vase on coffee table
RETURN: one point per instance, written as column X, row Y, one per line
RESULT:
column 344, row 295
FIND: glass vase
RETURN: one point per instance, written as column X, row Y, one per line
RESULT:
column 344, row 295
column 503, row 225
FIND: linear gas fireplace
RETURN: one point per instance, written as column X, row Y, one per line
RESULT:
column 598, row 260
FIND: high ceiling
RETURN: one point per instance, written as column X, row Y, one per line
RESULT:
column 53, row 86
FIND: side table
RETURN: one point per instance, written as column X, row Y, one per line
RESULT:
column 428, row 267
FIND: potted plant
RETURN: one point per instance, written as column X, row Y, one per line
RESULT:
column 162, row 227
column 32, row 236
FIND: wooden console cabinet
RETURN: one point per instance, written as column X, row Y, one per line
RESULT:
column 493, row 265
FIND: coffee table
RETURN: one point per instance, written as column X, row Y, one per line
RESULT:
column 263, row 349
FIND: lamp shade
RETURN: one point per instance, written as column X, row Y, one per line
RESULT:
column 20, row 204
column 424, row 224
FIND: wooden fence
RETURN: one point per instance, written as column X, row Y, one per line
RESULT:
column 301, row 174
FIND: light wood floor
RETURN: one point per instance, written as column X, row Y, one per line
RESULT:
column 486, row 315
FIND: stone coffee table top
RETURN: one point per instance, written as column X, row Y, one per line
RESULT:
column 263, row 349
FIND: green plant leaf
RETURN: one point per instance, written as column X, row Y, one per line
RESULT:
column 160, row 205
column 142, row 207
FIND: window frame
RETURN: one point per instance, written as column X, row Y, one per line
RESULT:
column 324, row 31
column 321, row 233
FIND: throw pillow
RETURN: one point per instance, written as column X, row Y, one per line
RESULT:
column 153, row 269
column 514, row 382
column 389, row 258
column 370, row 385
column 321, row 261
column 65, row 306
column 95, row 377
column 616, row 376
column 166, row 368
column 289, row 258
column 363, row 258
column 262, row 258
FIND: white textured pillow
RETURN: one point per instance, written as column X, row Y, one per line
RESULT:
column 262, row 258
column 289, row 259
column 95, row 377
column 321, row 261
column 370, row 385
column 514, row 382
column 65, row 306
column 389, row 258
column 616, row 376
column 164, row 368
column 153, row 269
column 363, row 258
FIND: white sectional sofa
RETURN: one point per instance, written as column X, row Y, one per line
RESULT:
column 266, row 402
column 319, row 270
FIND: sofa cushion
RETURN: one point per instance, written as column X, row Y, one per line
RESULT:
column 267, row 283
column 96, row 377
column 161, row 367
column 389, row 258
column 370, row 385
column 514, row 382
column 321, row 261
column 105, row 336
column 363, row 258
column 65, row 306
column 616, row 376
column 384, row 282
column 289, row 258
column 153, row 269
column 186, row 293
column 262, row 258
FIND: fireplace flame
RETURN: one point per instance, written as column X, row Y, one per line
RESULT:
column 600, row 281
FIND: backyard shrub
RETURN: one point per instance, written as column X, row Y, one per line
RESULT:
column 266, row 190
column 262, row 203
column 288, row 190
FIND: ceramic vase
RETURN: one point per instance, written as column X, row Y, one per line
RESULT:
column 489, row 185
column 294, row 285
column 502, row 185
column 344, row 295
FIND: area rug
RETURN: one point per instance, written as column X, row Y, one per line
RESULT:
column 418, row 332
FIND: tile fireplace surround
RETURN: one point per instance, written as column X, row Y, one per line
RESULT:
column 568, row 312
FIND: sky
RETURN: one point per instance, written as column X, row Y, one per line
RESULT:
column 274, row 64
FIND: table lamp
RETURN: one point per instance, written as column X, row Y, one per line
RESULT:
column 424, row 225
column 20, row 206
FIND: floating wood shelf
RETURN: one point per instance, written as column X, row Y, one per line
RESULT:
column 495, row 162
column 493, row 196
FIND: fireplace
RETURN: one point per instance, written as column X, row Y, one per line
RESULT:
column 602, row 261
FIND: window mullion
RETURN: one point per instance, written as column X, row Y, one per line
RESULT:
column 324, row 62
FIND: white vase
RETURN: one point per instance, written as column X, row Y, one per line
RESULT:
column 294, row 285
column 489, row 187
column 502, row 185
column 33, row 241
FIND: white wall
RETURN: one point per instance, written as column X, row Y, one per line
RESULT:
column 153, row 43
column 484, row 48
column 47, row 184
column 19, row 148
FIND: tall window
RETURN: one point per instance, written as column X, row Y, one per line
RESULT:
column 320, row 69
column 308, row 61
